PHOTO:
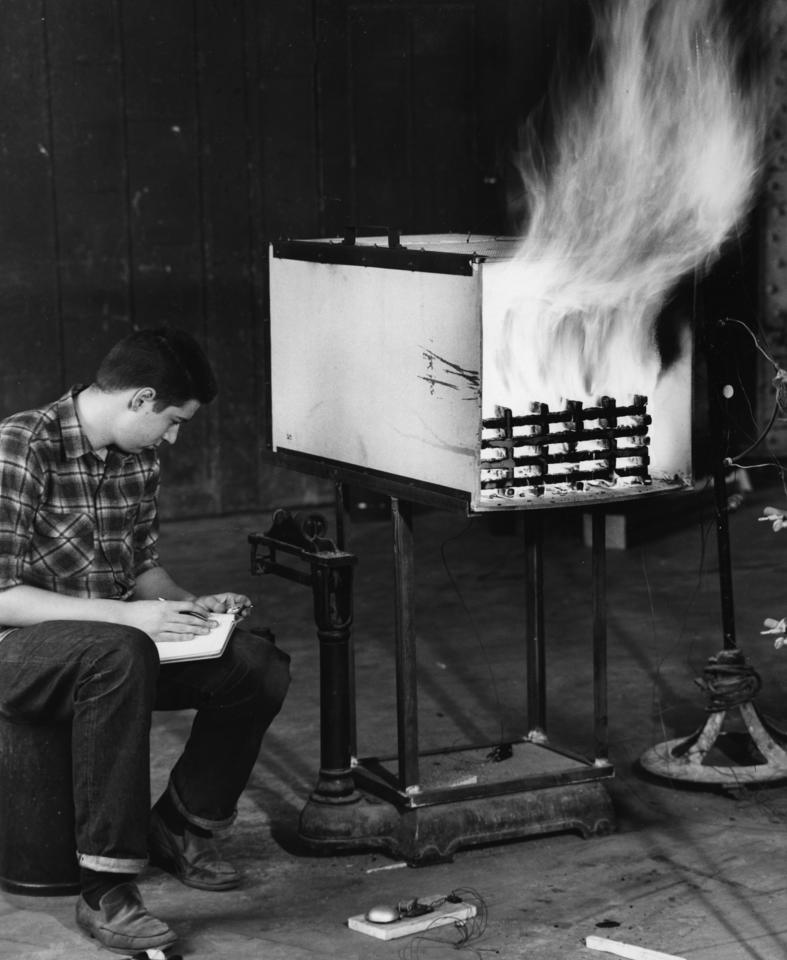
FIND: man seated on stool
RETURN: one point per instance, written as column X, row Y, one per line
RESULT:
column 80, row 608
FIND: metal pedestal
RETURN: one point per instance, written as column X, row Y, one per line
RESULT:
column 418, row 806
column 735, row 747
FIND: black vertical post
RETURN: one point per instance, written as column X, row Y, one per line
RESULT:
column 333, row 614
column 338, row 501
column 534, row 624
column 715, row 401
column 338, row 489
column 406, row 664
column 599, row 573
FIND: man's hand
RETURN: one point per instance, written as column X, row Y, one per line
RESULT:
column 169, row 620
column 236, row 603
column 774, row 516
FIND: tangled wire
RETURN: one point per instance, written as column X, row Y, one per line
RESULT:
column 728, row 680
column 455, row 936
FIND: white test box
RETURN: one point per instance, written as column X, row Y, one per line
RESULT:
column 382, row 367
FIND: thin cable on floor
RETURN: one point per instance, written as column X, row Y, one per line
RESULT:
column 444, row 940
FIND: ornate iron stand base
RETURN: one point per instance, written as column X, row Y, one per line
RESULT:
column 425, row 835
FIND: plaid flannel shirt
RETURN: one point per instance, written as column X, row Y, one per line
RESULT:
column 69, row 521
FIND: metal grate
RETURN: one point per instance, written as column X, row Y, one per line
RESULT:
column 604, row 444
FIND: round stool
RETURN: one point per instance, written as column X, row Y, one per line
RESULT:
column 37, row 845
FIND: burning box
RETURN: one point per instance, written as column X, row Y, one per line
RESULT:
column 414, row 365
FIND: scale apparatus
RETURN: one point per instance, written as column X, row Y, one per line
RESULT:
column 386, row 372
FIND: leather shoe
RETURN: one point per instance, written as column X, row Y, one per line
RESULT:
column 122, row 922
column 194, row 860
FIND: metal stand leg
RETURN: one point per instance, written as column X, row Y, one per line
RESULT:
column 534, row 627
column 715, row 399
column 406, row 662
column 351, row 696
column 331, row 580
column 332, row 587
column 600, row 719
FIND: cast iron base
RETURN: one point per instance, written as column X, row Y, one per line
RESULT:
column 429, row 834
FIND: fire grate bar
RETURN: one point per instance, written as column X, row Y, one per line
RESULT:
column 574, row 411
column 588, row 437
column 566, row 436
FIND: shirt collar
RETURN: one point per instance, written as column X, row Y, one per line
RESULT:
column 75, row 443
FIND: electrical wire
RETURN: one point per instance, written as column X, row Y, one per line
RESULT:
column 754, row 337
column 458, row 935
column 779, row 400
column 764, row 433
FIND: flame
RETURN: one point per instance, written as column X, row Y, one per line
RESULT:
column 652, row 171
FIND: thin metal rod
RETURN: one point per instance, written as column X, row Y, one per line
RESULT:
column 715, row 396
column 338, row 505
column 338, row 490
column 534, row 624
column 404, row 623
column 599, row 573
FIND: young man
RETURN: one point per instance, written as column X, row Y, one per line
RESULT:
column 81, row 591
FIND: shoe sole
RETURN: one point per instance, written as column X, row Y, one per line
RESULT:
column 125, row 951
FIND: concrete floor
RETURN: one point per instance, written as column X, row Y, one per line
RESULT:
column 697, row 873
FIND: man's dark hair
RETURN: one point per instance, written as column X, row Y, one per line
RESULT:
column 170, row 361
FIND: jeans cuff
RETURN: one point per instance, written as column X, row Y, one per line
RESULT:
column 198, row 821
column 110, row 864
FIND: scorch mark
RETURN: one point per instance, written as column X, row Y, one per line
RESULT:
column 434, row 362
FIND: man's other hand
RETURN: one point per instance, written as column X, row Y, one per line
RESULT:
column 236, row 603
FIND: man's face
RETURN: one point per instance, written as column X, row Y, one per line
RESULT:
column 144, row 427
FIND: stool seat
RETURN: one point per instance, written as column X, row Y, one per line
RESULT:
column 37, row 843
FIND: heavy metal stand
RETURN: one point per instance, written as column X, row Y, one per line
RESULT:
column 735, row 746
column 416, row 805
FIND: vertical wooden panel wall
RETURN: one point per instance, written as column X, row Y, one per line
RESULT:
column 150, row 150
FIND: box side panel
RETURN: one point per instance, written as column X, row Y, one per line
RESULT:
column 377, row 368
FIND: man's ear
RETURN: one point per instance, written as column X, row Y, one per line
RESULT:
column 140, row 396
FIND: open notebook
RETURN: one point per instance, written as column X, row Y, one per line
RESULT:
column 202, row 647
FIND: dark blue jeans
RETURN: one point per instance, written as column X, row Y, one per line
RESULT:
column 106, row 680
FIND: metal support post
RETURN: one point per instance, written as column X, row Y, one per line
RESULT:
column 331, row 579
column 534, row 627
column 600, row 708
column 406, row 661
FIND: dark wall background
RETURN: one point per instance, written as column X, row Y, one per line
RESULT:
column 149, row 151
